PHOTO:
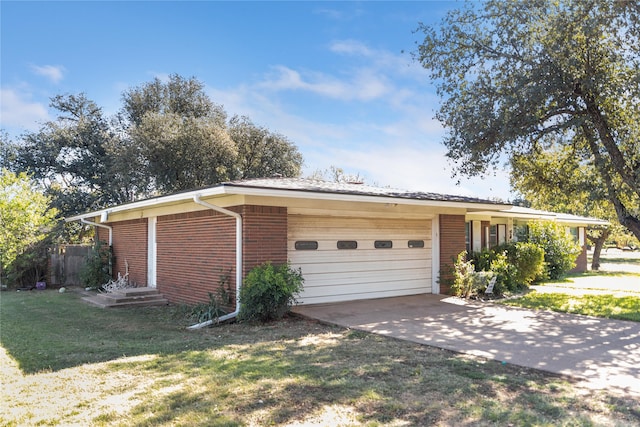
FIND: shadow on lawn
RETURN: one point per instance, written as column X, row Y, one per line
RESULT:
column 380, row 379
column 277, row 373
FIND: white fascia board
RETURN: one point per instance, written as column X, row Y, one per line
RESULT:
column 515, row 215
column 158, row 201
column 580, row 221
column 526, row 213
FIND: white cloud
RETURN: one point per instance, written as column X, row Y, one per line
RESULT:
column 340, row 15
column 380, row 59
column 16, row 111
column 362, row 84
column 373, row 74
column 351, row 47
column 55, row 73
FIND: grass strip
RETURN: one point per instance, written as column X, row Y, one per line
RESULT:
column 607, row 306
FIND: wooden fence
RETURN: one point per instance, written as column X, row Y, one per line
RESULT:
column 65, row 263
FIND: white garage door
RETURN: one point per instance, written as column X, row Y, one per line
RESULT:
column 345, row 259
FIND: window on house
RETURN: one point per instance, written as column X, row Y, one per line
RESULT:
column 383, row 244
column 306, row 245
column 416, row 244
column 467, row 236
column 574, row 233
column 347, row 244
column 502, row 234
column 521, row 232
column 493, row 236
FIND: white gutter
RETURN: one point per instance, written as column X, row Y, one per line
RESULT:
column 95, row 224
column 238, row 218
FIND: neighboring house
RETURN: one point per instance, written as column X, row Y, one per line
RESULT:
column 352, row 241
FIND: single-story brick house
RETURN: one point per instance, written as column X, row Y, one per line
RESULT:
column 352, row 241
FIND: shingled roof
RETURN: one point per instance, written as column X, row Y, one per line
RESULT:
column 357, row 189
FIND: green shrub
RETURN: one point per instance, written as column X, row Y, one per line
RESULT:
column 560, row 250
column 268, row 292
column 528, row 259
column 517, row 265
column 29, row 266
column 482, row 260
column 95, row 271
column 463, row 276
column 467, row 282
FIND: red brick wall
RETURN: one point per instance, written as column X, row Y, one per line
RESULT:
column 264, row 235
column 102, row 234
column 130, row 245
column 452, row 242
column 581, row 262
column 194, row 252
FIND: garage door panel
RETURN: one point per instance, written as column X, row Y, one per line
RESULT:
column 363, row 244
column 307, row 221
column 362, row 279
column 334, row 228
column 329, row 298
column 320, row 257
column 351, row 233
column 365, row 266
column 371, row 288
column 333, row 274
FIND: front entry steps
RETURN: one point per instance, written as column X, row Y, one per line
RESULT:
column 130, row 297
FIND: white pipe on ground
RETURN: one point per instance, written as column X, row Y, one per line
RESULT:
column 238, row 218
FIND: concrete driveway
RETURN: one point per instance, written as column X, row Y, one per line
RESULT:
column 605, row 353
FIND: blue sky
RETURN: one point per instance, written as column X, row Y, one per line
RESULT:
column 336, row 78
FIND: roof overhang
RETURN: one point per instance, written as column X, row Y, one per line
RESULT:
column 518, row 212
column 348, row 193
column 232, row 189
column 148, row 203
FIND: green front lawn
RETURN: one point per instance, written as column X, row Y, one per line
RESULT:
column 608, row 306
column 67, row 363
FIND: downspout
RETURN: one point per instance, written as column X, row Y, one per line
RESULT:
column 238, row 218
column 108, row 227
column 95, row 224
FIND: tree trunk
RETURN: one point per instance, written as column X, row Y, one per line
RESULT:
column 598, row 244
column 626, row 218
column 628, row 174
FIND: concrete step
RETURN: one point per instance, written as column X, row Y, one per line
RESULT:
column 131, row 297
column 137, row 291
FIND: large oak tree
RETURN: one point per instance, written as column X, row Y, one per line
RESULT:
column 169, row 136
column 80, row 160
column 518, row 77
column 188, row 143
